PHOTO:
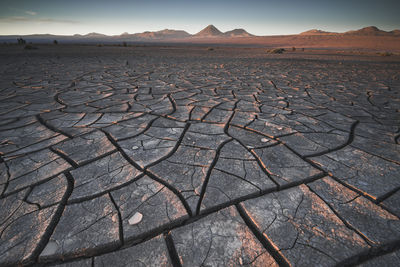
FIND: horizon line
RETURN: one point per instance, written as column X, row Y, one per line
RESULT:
column 255, row 35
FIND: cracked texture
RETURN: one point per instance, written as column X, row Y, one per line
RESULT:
column 303, row 228
column 22, row 226
column 376, row 224
column 150, row 253
column 83, row 229
column 158, row 205
column 92, row 137
column 285, row 166
column 371, row 175
column 101, row 176
column 33, row 169
column 220, row 239
column 85, row 148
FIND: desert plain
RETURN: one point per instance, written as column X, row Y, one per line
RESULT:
column 174, row 155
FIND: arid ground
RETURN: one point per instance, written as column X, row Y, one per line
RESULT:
column 380, row 43
column 170, row 156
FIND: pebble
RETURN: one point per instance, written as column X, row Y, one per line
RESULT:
column 136, row 218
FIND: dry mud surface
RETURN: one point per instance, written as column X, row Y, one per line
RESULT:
column 144, row 156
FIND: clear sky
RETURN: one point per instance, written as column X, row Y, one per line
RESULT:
column 268, row 17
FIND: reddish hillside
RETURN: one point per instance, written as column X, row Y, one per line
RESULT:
column 209, row 31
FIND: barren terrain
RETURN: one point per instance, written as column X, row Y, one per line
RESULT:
column 170, row 156
column 363, row 43
column 369, row 39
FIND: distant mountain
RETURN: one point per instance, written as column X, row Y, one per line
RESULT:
column 316, row 32
column 212, row 31
column 163, row 34
column 371, row 31
column 395, row 32
column 367, row 31
column 94, row 35
column 237, row 33
column 209, row 31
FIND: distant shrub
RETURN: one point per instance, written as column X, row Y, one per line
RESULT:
column 210, row 49
column 302, row 49
column 30, row 47
column 55, row 42
column 99, row 45
column 385, row 54
column 124, row 44
column 293, row 48
column 21, row 41
column 276, row 51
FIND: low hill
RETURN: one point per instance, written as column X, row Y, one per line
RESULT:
column 237, row 33
column 371, row 31
column 317, row 32
column 209, row 31
column 163, row 34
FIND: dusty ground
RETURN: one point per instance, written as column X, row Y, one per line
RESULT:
column 354, row 42
column 115, row 156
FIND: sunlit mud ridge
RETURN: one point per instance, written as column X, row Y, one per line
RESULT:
column 194, row 157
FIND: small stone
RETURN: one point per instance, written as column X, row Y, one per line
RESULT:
column 135, row 219
column 264, row 140
column 135, row 147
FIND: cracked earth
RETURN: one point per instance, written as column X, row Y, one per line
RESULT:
column 189, row 157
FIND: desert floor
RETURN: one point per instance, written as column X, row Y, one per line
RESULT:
column 159, row 156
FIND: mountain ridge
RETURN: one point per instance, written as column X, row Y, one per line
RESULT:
column 163, row 34
column 208, row 33
column 371, row 31
column 366, row 31
column 212, row 31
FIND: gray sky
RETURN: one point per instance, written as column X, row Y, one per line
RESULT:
column 269, row 17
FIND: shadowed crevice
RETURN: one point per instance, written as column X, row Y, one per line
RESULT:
column 173, row 254
column 347, row 143
column 149, row 173
column 50, row 127
column 120, row 225
column 56, row 217
column 268, row 245
column 207, row 178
